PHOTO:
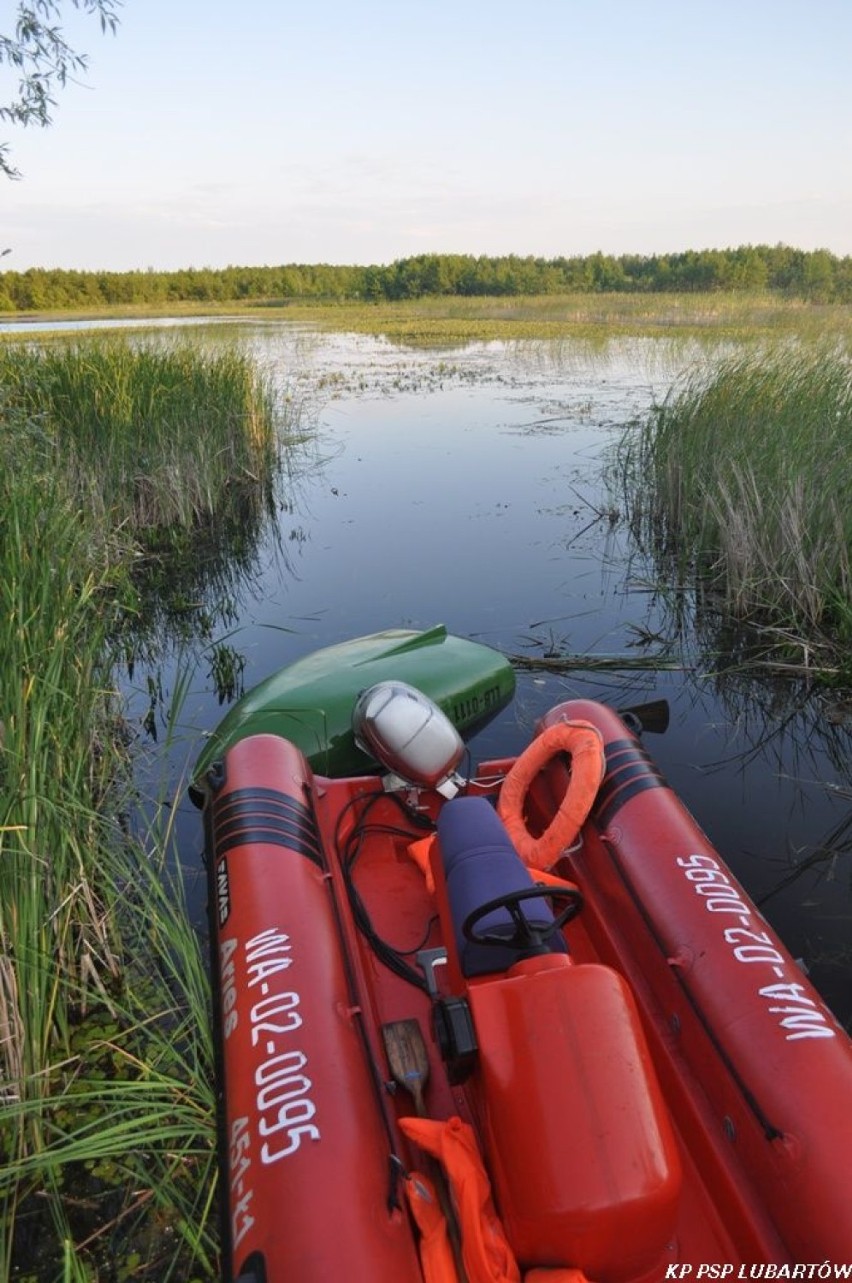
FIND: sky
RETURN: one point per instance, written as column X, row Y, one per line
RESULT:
column 207, row 134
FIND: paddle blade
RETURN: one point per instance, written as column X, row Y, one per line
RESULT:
column 653, row 716
column 407, row 1057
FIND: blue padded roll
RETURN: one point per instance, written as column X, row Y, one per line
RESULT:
column 480, row 864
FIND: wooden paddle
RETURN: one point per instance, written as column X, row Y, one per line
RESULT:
column 409, row 1064
column 408, row 1059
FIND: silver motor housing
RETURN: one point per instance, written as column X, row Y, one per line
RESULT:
column 409, row 734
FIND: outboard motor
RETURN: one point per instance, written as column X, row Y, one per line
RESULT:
column 410, row 735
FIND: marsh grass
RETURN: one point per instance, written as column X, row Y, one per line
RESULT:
column 455, row 319
column 106, row 1110
column 107, row 1117
column 149, row 436
column 121, row 1183
column 739, row 484
column 53, row 772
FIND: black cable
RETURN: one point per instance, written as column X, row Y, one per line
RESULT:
column 348, row 853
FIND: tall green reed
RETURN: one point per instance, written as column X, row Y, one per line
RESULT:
column 107, row 1131
column 149, row 435
column 740, row 481
column 55, row 707
column 56, row 933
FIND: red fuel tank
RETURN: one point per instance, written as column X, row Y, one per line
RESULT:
column 584, row 1163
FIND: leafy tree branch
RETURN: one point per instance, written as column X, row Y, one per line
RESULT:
column 38, row 54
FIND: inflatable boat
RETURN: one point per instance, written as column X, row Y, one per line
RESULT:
column 514, row 1022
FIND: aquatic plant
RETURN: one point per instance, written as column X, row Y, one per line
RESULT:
column 455, row 321
column 738, row 484
column 107, row 1132
column 149, row 436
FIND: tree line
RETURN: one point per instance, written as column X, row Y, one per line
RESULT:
column 813, row 275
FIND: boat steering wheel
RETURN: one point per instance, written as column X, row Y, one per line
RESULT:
column 526, row 935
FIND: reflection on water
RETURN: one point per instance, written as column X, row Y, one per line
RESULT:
column 109, row 323
column 465, row 487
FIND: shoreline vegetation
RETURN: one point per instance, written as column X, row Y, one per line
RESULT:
column 107, row 1126
column 736, row 488
column 453, row 320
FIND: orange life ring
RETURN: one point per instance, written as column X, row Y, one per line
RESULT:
column 584, row 743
